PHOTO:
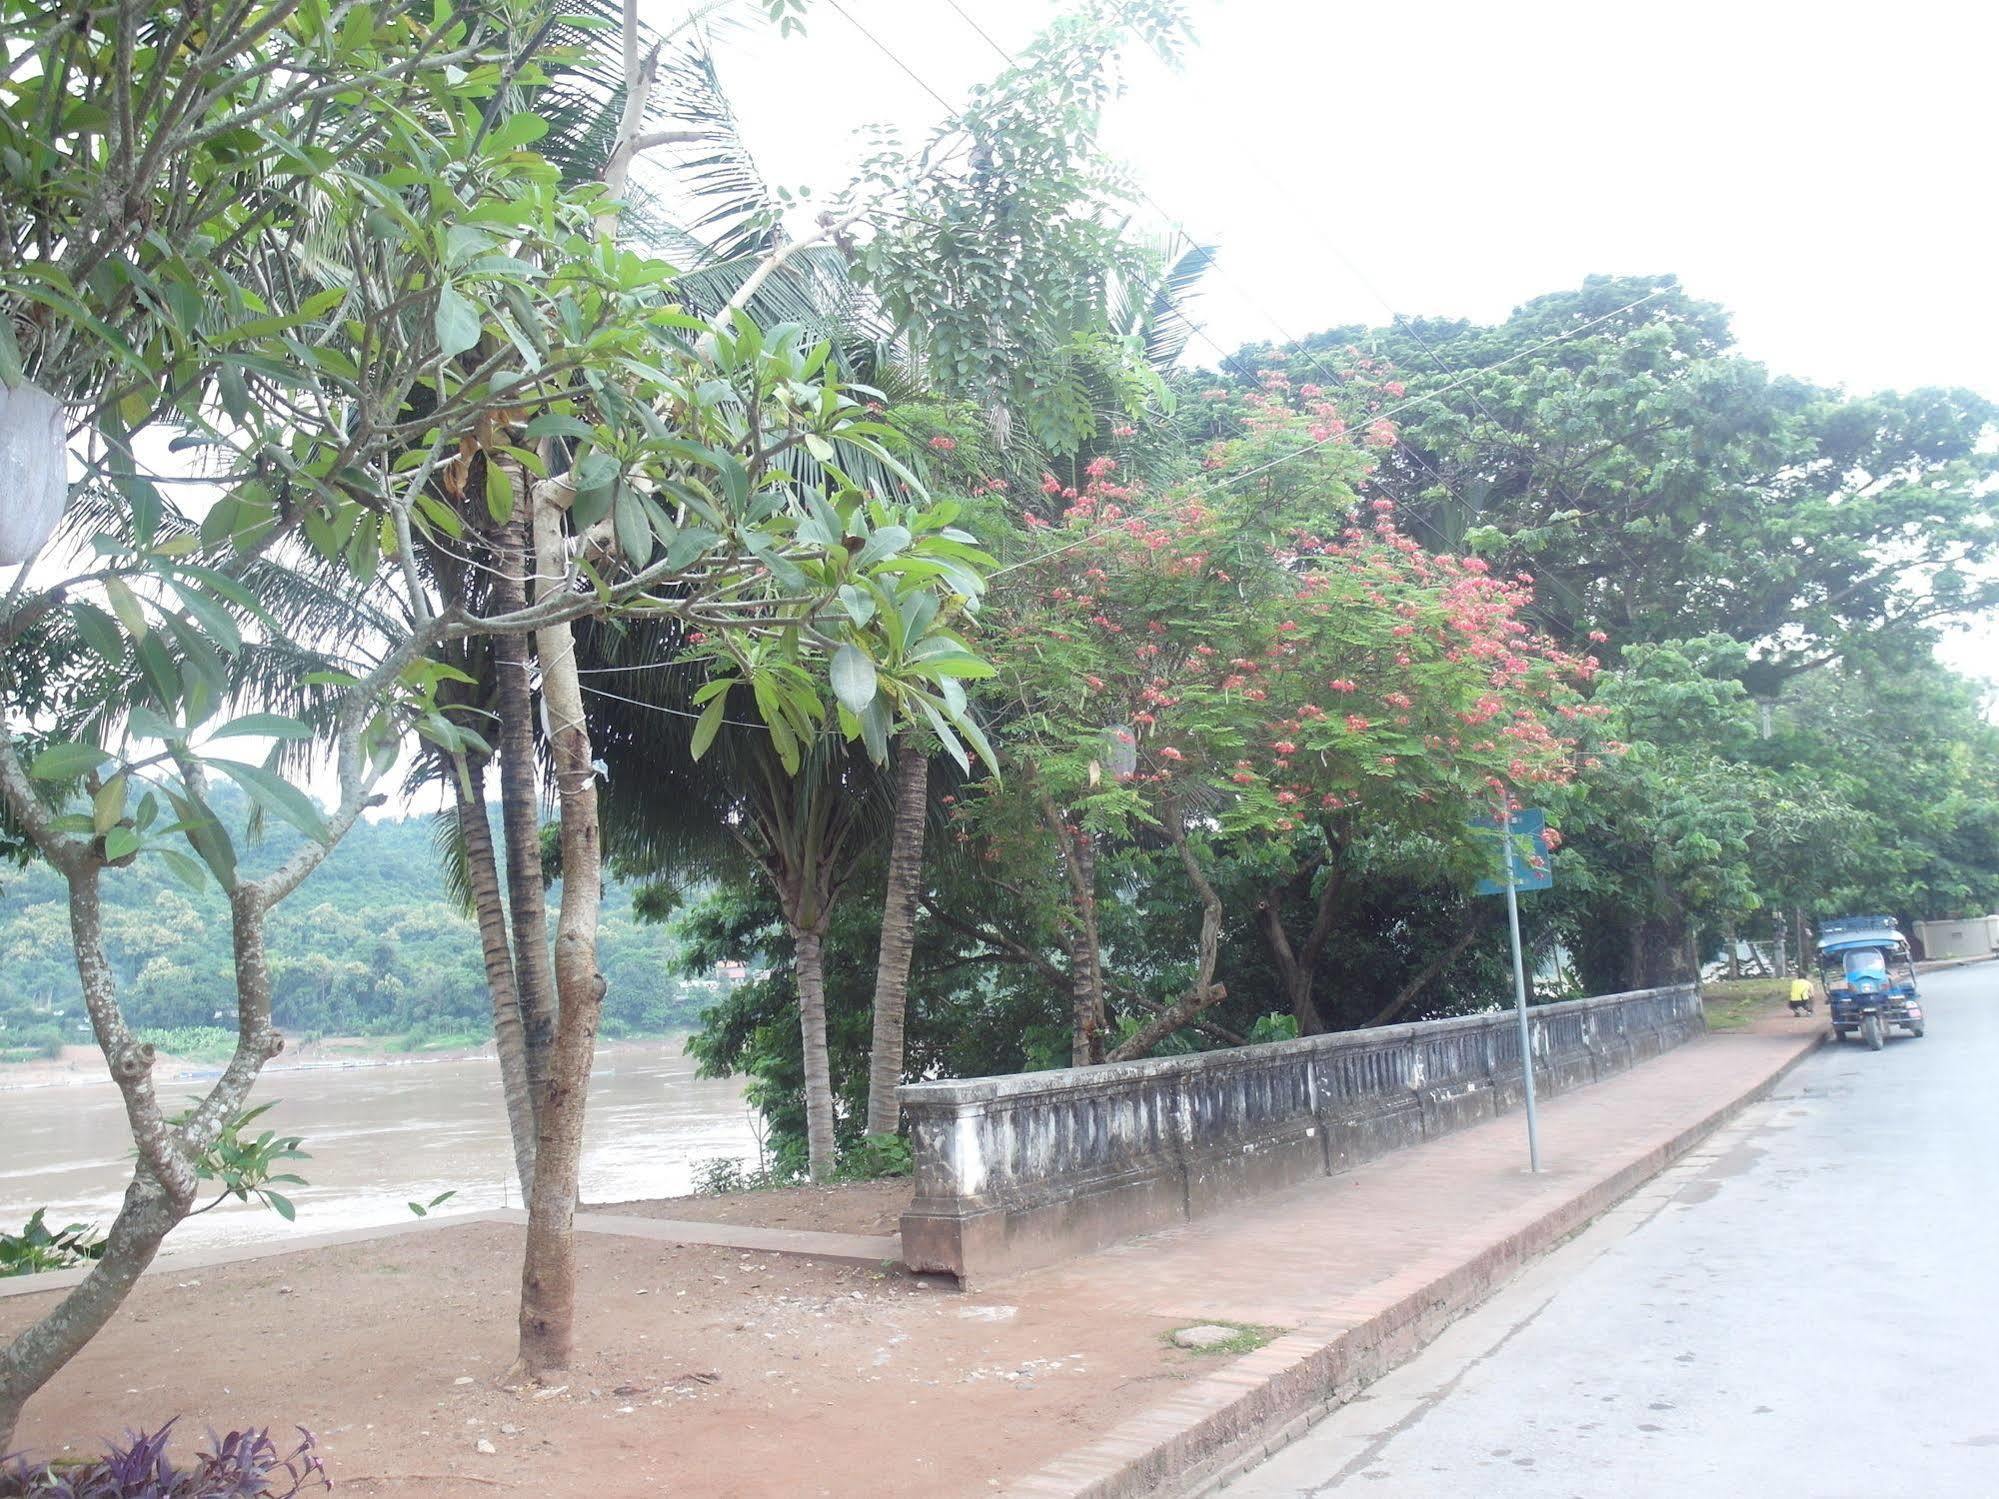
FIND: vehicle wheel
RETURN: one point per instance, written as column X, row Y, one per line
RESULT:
column 1839, row 1032
column 1870, row 1032
column 1916, row 1029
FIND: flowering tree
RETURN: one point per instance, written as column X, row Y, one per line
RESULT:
column 1244, row 669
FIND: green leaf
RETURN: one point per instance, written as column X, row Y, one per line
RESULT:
column 499, row 492
column 213, row 619
column 634, row 530
column 944, row 735
column 853, row 677
column 456, row 323
column 186, row 870
column 120, row 843
column 951, row 663
column 208, row 838
column 518, row 130
column 277, row 796
column 281, row 1203
column 595, row 471
column 969, row 727
column 11, row 372
column 710, row 723
column 108, row 805
column 554, row 424
column 99, row 631
column 65, row 762
column 235, row 392
column 125, row 604
column 859, row 603
column 874, row 729
column 147, row 724
column 271, row 725
column 886, row 542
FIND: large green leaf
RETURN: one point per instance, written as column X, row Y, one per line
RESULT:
column 65, row 762
column 270, row 725
column 853, row 675
column 456, row 323
column 277, row 796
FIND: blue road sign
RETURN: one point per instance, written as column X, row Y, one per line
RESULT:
column 1532, row 868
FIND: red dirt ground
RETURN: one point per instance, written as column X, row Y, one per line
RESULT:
column 700, row 1371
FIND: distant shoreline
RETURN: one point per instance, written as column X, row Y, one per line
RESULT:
column 84, row 1067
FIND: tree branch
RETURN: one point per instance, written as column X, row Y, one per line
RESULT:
column 1204, row 991
column 1408, row 993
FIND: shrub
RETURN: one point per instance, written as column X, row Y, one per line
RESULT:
column 196, row 1043
column 875, row 1158
column 242, row 1465
column 31, row 1043
column 38, row 1247
column 726, row 1174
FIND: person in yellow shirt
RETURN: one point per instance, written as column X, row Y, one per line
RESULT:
column 1801, row 996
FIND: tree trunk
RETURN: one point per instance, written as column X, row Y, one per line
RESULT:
column 1298, row 967
column 1734, row 951
column 39, row 1352
column 898, row 939
column 483, row 876
column 548, row 1269
column 520, row 818
column 1204, row 991
column 821, row 1149
column 164, row 1182
column 1086, row 970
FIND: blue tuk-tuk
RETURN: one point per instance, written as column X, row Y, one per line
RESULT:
column 1869, row 977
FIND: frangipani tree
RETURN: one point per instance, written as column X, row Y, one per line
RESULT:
column 315, row 247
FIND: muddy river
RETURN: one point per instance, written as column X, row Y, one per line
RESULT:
column 380, row 1137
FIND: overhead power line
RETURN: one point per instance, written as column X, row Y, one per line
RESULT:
column 1285, row 336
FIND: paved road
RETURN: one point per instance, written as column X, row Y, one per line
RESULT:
column 1809, row 1306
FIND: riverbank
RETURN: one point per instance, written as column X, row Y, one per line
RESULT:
column 83, row 1066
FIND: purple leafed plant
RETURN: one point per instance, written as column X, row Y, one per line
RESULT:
column 242, row 1465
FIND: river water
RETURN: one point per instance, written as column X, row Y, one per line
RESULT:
column 380, row 1137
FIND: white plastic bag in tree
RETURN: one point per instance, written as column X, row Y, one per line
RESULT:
column 34, row 477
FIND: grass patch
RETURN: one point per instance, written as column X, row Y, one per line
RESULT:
column 1248, row 1338
column 192, row 1043
column 418, row 1042
column 1732, row 1004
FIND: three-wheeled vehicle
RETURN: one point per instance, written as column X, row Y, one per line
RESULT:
column 1870, row 978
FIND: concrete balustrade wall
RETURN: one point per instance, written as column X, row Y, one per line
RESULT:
column 1014, row 1172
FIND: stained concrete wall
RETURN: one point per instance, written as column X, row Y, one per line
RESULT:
column 1018, row 1171
column 1972, row 937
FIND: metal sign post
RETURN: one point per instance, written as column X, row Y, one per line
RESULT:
column 1534, row 872
column 1520, row 986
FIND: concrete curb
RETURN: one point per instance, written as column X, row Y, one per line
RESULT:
column 1224, row 1425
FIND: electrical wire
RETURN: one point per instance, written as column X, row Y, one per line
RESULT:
column 1284, row 458
column 1284, row 335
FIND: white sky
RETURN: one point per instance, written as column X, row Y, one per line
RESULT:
column 1823, row 170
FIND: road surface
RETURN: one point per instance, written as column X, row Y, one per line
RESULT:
column 1808, row 1306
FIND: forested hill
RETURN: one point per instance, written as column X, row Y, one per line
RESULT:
column 371, row 943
